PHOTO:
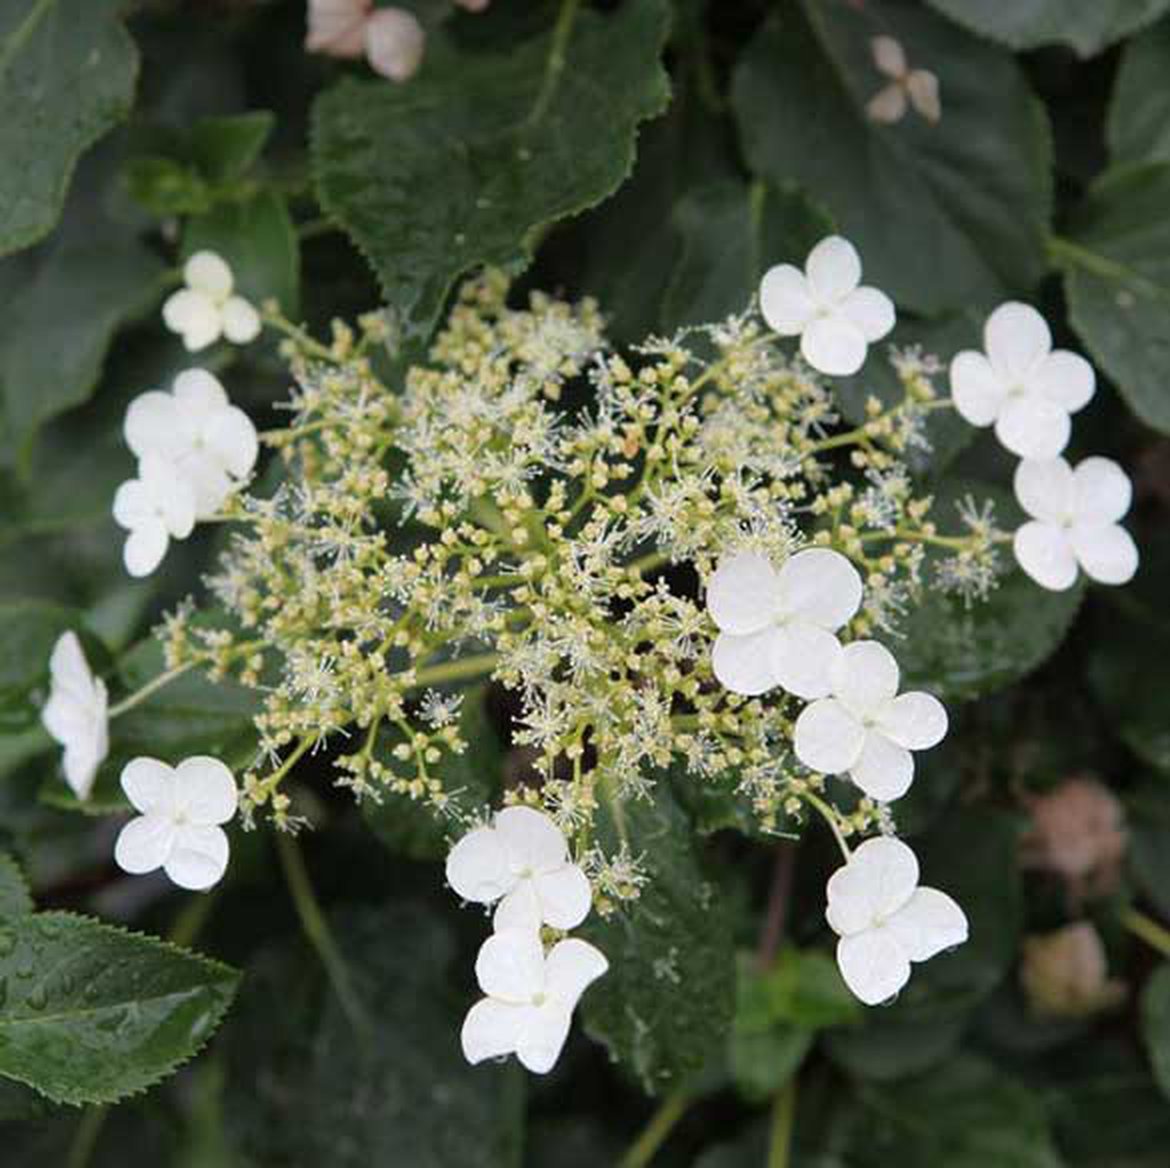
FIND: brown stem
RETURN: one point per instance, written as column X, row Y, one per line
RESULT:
column 772, row 930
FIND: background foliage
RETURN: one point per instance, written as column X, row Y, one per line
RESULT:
column 659, row 155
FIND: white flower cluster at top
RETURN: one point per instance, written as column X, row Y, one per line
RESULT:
column 680, row 557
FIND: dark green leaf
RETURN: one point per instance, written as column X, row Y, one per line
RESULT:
column 1087, row 26
column 483, row 149
column 92, row 1014
column 975, row 185
column 166, row 187
column 667, row 1001
column 1118, row 282
column 884, row 1049
column 67, row 73
column 1139, row 115
column 224, row 148
column 15, row 898
column 28, row 631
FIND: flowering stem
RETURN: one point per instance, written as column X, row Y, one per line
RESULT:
column 457, row 670
column 783, row 1121
column 654, row 1134
column 299, row 335
column 556, row 60
column 1154, row 934
column 779, row 894
column 829, row 815
column 155, row 684
column 316, row 929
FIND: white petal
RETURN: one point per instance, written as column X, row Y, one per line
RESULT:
column 145, row 548
column 209, row 273
column 834, row 345
column 572, row 966
column 205, row 790
column 533, row 842
column 1033, row 427
column 784, row 300
column 150, row 786
column 66, row 717
column 873, row 965
column 68, row 667
column 543, row 1037
column 395, row 43
column 151, row 425
column 490, row 1030
column 833, row 268
column 133, row 505
column 144, row 844
column 1045, row 553
column 519, row 909
column 209, row 482
column 174, row 498
column 929, row 922
column 801, row 658
column 884, row 770
column 865, row 677
column 241, row 322
column 1106, row 552
column 510, row 966
column 1064, row 378
column 565, row 896
column 1101, row 491
column 743, row 593
column 871, row 310
column 337, row 27
column 888, row 56
column 1044, row 488
column 477, row 867
column 828, row 738
column 819, row 586
column 915, row 720
column 80, row 764
column 195, row 317
column 1016, row 339
column 744, row 664
column 978, row 392
column 199, row 395
column 922, row 86
column 199, row 857
column 887, row 106
column 231, row 437
column 879, row 879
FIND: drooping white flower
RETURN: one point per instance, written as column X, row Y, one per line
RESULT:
column 178, row 829
column 530, row 997
column 206, row 309
column 392, row 39
column 835, row 319
column 777, row 627
column 885, row 920
column 907, row 87
column 1075, row 522
column 522, row 861
column 195, row 428
column 1021, row 385
column 865, row 727
column 156, row 507
column 75, row 714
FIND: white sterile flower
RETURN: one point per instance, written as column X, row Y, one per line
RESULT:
column 337, row 27
column 835, row 319
column 916, row 87
column 1023, row 386
column 210, row 443
column 205, row 309
column 885, row 921
column 178, row 828
column 156, row 507
column 530, row 997
column 1075, row 516
column 522, row 861
column 75, row 714
column 866, row 727
column 777, row 627
column 395, row 43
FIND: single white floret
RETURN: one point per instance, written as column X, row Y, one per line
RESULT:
column 156, row 507
column 206, row 309
column 76, row 714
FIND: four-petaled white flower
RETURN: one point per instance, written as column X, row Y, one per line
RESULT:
column 75, row 714
column 522, row 861
column 835, row 319
column 1075, row 516
column 156, row 507
column 205, row 309
column 530, row 997
column 195, row 428
column 865, row 727
column 178, row 828
column 907, row 87
column 777, row 628
column 885, row 921
column 392, row 39
column 1023, row 386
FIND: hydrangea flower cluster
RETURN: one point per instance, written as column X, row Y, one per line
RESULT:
column 703, row 568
